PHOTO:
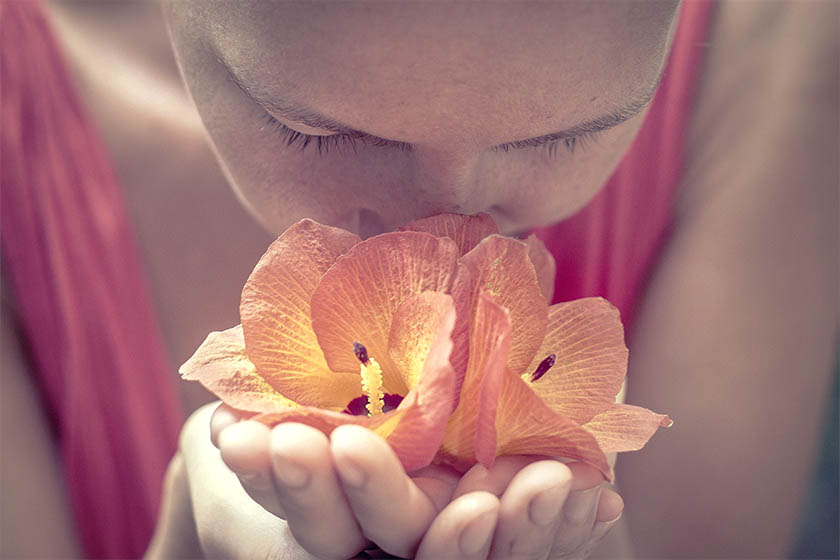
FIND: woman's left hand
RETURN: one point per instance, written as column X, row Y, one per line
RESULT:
column 523, row 507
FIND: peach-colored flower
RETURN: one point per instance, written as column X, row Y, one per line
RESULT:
column 539, row 379
column 462, row 358
column 319, row 302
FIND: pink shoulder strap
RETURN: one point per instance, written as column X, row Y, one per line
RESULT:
column 85, row 315
column 609, row 248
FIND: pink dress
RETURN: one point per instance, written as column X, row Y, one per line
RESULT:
column 84, row 310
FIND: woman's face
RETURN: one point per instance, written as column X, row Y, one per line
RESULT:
column 439, row 104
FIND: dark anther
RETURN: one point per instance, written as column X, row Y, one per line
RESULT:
column 391, row 402
column 544, row 366
column 361, row 352
column 358, row 406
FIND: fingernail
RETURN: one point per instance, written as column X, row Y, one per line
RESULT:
column 477, row 533
column 601, row 528
column 289, row 474
column 351, row 474
column 546, row 506
column 581, row 504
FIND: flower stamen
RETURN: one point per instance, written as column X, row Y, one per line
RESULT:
column 544, row 366
column 371, row 374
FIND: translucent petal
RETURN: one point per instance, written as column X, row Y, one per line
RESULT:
column 359, row 295
column 588, row 339
column 221, row 366
column 275, row 314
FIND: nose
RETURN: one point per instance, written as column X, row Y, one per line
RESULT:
column 447, row 181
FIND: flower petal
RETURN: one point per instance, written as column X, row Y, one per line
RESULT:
column 465, row 231
column 220, row 364
column 527, row 426
column 544, row 265
column 275, row 311
column 426, row 409
column 358, row 296
column 414, row 430
column 471, row 432
column 502, row 267
column 588, row 339
column 625, row 427
column 414, row 329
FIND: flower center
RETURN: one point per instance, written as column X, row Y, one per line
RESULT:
column 371, row 380
column 544, row 366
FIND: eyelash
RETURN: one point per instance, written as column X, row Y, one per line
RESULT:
column 324, row 143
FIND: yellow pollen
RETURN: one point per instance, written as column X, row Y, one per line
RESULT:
column 372, row 386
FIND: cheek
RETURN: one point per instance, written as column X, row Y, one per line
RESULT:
column 540, row 193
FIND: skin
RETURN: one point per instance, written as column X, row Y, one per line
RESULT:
column 455, row 66
column 619, row 55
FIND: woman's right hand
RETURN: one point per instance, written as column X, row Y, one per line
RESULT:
column 524, row 507
column 205, row 511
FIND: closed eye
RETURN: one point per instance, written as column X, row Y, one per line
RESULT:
column 336, row 141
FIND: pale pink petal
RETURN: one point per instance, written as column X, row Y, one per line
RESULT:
column 358, row 296
column 587, row 337
column 221, row 366
column 413, row 330
column 625, row 427
column 501, row 266
column 526, row 426
column 275, row 313
column 544, row 265
column 471, row 432
column 414, row 430
column 426, row 408
column 465, row 230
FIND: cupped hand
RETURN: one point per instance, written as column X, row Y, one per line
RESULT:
column 204, row 499
column 342, row 493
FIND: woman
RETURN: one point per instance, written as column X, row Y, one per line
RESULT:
column 444, row 84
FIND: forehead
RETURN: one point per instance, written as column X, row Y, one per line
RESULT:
column 415, row 69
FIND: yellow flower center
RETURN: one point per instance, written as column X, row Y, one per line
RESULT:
column 372, row 386
column 371, row 374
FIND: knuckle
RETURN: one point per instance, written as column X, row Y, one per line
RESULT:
column 528, row 550
column 198, row 423
column 570, row 551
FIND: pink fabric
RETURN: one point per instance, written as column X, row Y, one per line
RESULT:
column 84, row 312
column 608, row 248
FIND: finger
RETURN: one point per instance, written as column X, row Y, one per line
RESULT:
column 391, row 509
column 579, row 511
column 244, row 447
column 495, row 479
column 531, row 510
column 438, row 482
column 463, row 530
column 223, row 417
column 610, row 509
column 228, row 522
column 310, row 493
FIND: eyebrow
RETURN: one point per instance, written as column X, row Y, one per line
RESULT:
column 308, row 117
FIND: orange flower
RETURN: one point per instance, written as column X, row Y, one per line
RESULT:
column 541, row 380
column 461, row 357
column 319, row 302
